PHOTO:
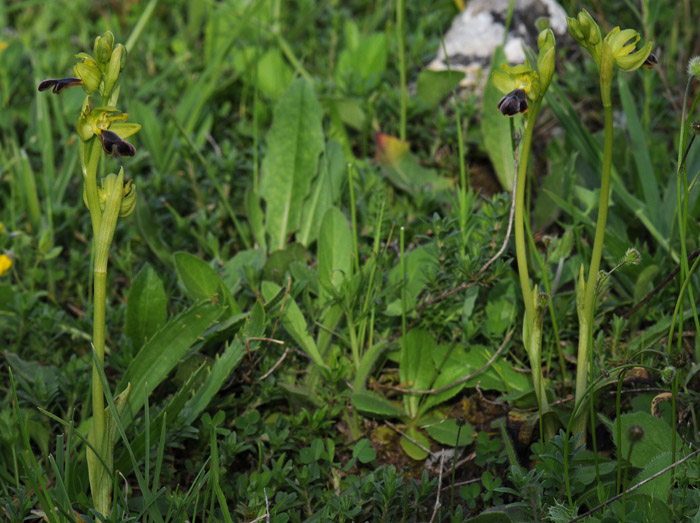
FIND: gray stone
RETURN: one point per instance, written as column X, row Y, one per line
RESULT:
column 478, row 30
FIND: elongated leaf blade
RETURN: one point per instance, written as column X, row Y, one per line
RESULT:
column 324, row 193
column 294, row 144
column 146, row 309
column 163, row 352
column 294, row 322
column 334, row 251
column 373, row 403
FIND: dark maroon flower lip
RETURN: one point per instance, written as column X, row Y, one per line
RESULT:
column 513, row 103
column 651, row 61
column 112, row 143
column 59, row 84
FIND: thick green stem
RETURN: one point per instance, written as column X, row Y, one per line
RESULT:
column 586, row 317
column 519, row 216
column 532, row 327
column 100, row 434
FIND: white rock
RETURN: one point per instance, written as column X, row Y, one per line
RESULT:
column 478, row 30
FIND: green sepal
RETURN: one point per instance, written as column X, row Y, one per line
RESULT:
column 634, row 61
column 125, row 129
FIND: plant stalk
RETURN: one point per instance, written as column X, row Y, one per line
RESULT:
column 586, row 318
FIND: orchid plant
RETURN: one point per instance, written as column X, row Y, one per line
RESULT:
column 618, row 49
column 102, row 128
column 525, row 86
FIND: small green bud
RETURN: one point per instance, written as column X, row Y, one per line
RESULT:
column 85, row 126
column 115, row 66
column 667, row 374
column 586, row 32
column 632, row 257
column 545, row 59
column 88, row 72
column 111, row 183
column 542, row 299
column 694, row 67
column 103, row 48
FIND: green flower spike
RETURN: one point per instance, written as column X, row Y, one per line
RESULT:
column 587, row 33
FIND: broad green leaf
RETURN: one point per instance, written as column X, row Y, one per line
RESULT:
column 495, row 128
column 163, row 352
column 416, row 367
column 373, row 403
column 362, row 63
column 348, row 110
column 363, row 451
column 334, row 251
column 294, row 143
column 201, row 281
column 274, row 75
column 403, row 169
column 499, row 376
column 652, row 453
column 410, row 448
column 445, row 432
column 659, row 486
column 294, row 322
column 325, row 192
column 433, row 86
column 146, row 309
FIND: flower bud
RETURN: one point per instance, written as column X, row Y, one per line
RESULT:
column 668, row 374
column 635, row 433
column 103, row 48
column 632, row 257
column 88, row 72
column 116, row 64
column 694, row 67
column 545, row 59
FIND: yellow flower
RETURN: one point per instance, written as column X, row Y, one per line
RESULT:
column 3, row 46
column 5, row 263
